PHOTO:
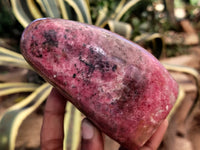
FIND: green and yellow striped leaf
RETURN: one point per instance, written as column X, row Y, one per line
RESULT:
column 155, row 41
column 72, row 126
column 65, row 9
column 189, row 71
column 121, row 28
column 34, row 10
column 9, row 61
column 123, row 7
column 81, row 9
column 50, row 8
column 21, row 12
column 120, row 6
column 181, row 96
column 102, row 17
column 10, row 58
column 9, row 53
column 14, row 116
column 17, row 87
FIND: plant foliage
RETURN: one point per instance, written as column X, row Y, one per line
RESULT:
column 115, row 15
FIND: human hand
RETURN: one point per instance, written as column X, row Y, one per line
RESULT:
column 52, row 133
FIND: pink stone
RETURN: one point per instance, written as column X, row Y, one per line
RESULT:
column 117, row 84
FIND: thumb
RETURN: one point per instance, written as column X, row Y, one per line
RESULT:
column 91, row 137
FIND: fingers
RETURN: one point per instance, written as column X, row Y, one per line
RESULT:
column 154, row 142
column 52, row 129
column 91, row 137
column 52, row 132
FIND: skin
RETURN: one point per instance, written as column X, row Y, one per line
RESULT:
column 52, row 130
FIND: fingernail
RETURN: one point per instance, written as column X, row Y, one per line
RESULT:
column 87, row 130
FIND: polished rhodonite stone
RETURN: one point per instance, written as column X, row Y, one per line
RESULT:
column 117, row 84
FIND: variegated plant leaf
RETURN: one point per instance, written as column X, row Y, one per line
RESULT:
column 72, row 126
column 81, row 9
column 121, row 28
column 9, row 53
column 50, row 8
column 155, row 41
column 122, row 10
column 122, row 7
column 189, row 71
column 88, row 2
column 181, row 96
column 16, row 87
column 21, row 12
column 14, row 116
column 65, row 9
column 9, row 61
column 34, row 10
column 10, row 58
column 102, row 17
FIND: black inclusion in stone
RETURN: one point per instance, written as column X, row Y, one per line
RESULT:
column 74, row 75
column 51, row 38
column 114, row 67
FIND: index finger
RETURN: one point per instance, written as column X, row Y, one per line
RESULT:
column 52, row 133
